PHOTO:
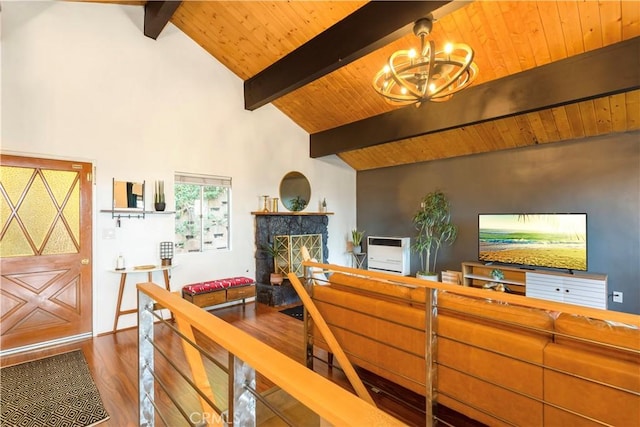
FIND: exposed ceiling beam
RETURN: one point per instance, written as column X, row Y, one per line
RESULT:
column 156, row 16
column 606, row 71
column 374, row 25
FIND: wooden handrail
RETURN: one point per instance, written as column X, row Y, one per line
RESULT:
column 595, row 313
column 330, row 339
column 331, row 402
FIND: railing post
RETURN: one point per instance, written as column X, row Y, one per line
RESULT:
column 242, row 404
column 145, row 360
column 431, row 343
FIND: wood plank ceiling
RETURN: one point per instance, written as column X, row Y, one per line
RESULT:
column 509, row 37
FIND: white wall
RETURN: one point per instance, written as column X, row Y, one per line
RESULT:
column 81, row 81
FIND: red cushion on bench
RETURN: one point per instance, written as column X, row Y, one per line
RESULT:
column 214, row 285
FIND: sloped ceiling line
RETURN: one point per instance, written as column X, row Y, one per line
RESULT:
column 601, row 72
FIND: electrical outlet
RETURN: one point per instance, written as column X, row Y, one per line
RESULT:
column 617, row 296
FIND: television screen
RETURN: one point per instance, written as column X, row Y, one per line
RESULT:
column 541, row 240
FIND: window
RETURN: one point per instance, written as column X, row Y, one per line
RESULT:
column 202, row 212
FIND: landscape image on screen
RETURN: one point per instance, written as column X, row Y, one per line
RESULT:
column 543, row 240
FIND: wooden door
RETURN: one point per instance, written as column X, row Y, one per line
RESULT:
column 45, row 250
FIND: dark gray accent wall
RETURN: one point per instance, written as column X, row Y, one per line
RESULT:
column 599, row 176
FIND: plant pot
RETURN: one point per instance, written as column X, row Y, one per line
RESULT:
column 357, row 249
column 276, row 279
column 159, row 206
column 432, row 277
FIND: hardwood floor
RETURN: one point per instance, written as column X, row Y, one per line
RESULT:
column 112, row 359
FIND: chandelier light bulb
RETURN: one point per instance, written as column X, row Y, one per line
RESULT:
column 412, row 78
column 448, row 48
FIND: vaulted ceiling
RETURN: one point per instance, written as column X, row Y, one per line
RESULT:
column 549, row 71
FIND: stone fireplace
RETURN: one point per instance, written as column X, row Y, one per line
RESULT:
column 272, row 224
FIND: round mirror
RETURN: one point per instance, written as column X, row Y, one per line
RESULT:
column 295, row 191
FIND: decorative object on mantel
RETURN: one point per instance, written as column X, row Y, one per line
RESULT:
column 274, row 204
column 323, row 205
column 411, row 77
column 158, row 197
column 265, row 203
column 356, row 238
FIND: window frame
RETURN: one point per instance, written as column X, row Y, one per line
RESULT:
column 203, row 214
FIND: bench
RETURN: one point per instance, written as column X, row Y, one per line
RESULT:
column 214, row 292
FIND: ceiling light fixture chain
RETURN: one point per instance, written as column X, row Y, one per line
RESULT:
column 412, row 78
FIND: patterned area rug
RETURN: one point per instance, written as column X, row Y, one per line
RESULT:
column 55, row 391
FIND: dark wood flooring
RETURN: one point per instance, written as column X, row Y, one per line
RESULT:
column 113, row 360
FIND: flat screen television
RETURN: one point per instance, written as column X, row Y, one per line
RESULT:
column 553, row 240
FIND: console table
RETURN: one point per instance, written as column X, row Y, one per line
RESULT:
column 123, row 279
column 588, row 290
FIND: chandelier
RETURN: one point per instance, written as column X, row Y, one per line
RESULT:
column 412, row 78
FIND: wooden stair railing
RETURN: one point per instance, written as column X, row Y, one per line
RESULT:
column 332, row 403
column 331, row 340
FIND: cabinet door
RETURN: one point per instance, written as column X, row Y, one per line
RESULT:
column 544, row 286
column 585, row 292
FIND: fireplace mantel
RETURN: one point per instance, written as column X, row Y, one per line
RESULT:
column 290, row 213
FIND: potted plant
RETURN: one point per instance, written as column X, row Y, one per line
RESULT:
column 356, row 238
column 433, row 222
column 497, row 274
column 273, row 250
column 158, row 197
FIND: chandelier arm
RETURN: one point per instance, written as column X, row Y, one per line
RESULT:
column 432, row 61
column 464, row 66
column 396, row 74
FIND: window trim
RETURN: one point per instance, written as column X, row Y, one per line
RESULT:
column 203, row 181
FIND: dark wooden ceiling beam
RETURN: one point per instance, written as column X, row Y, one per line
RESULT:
column 374, row 25
column 156, row 16
column 602, row 72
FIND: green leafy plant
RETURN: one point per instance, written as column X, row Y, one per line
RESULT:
column 497, row 274
column 356, row 237
column 273, row 249
column 298, row 204
column 433, row 222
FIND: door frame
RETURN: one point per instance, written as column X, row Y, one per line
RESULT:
column 92, row 247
